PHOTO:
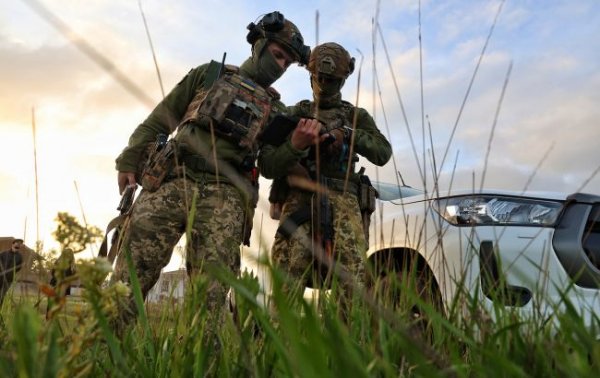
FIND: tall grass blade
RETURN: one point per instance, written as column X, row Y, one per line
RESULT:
column 489, row 146
column 470, row 86
column 160, row 82
column 91, row 52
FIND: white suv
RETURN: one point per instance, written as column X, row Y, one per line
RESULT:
column 532, row 252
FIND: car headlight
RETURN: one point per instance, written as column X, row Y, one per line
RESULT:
column 496, row 210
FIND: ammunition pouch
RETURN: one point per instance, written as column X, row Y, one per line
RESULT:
column 234, row 107
column 143, row 160
column 159, row 164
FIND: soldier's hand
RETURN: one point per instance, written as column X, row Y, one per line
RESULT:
column 306, row 133
column 124, row 179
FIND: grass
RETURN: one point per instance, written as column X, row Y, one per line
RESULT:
column 367, row 338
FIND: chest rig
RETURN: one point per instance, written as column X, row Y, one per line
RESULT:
column 339, row 117
column 235, row 107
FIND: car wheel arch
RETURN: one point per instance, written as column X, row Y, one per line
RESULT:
column 400, row 260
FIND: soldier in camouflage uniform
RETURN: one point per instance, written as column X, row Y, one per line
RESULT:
column 299, row 241
column 217, row 111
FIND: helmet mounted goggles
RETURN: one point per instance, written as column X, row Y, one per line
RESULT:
column 274, row 26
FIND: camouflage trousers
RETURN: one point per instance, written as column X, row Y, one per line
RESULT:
column 159, row 219
column 300, row 257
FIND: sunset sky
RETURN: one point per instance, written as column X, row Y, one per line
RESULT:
column 546, row 132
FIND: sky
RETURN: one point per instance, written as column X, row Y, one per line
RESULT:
column 522, row 115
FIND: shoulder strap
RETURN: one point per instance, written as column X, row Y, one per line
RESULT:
column 116, row 224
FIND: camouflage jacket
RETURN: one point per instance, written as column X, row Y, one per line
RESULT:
column 274, row 161
column 166, row 118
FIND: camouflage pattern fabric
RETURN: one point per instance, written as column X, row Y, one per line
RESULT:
column 274, row 27
column 167, row 116
column 331, row 59
column 157, row 222
column 238, row 106
column 292, row 39
column 296, row 255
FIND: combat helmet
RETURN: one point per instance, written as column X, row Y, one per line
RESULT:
column 274, row 26
column 331, row 59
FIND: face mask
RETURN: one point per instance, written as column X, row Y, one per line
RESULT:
column 326, row 88
column 267, row 69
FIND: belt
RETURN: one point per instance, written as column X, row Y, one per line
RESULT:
column 338, row 185
column 196, row 163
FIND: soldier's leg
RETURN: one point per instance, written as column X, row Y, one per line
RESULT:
column 155, row 226
column 294, row 255
column 350, row 246
column 216, row 238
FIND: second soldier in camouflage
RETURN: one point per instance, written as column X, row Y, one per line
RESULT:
column 318, row 187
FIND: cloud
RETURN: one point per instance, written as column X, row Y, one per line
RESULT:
column 84, row 117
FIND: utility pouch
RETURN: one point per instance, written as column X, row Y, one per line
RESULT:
column 367, row 196
column 160, row 163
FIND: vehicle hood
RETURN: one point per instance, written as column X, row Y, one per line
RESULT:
column 406, row 194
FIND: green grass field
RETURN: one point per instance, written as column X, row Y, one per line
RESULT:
column 373, row 336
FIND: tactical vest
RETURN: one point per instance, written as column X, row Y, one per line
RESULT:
column 235, row 107
column 334, row 118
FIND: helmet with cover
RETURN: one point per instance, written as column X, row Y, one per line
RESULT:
column 332, row 60
column 275, row 27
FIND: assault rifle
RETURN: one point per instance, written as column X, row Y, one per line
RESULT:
column 117, row 224
column 325, row 219
column 126, row 199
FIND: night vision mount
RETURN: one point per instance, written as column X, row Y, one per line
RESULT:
column 270, row 23
column 269, row 27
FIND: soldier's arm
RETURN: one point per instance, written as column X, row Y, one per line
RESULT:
column 275, row 161
column 164, row 119
column 369, row 141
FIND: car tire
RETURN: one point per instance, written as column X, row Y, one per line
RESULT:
column 423, row 300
